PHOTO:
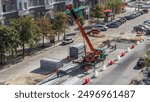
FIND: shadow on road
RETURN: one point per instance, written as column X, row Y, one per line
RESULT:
column 42, row 71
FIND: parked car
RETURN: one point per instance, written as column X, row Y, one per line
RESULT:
column 145, row 26
column 101, row 27
column 139, row 28
column 148, row 24
column 119, row 21
column 141, row 63
column 137, row 13
column 67, row 41
column 148, row 32
column 145, row 10
column 130, row 16
column 147, row 21
column 112, row 25
column 123, row 19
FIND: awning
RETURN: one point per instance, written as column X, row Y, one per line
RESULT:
column 107, row 10
column 76, row 9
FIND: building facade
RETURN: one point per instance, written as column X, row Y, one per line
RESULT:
column 36, row 8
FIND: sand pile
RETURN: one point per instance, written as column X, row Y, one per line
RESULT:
column 30, row 79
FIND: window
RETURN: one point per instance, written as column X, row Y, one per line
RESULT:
column 31, row 2
column 20, row 6
column 4, row 8
column 12, row 7
column 51, row 1
column 25, row 5
column 38, row 2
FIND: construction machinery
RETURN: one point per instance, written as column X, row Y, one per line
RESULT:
column 95, row 54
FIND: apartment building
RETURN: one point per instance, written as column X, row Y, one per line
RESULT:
column 36, row 8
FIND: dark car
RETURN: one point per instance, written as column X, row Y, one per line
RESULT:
column 119, row 21
column 101, row 27
column 145, row 10
column 112, row 25
column 141, row 62
column 123, row 19
column 146, row 27
column 139, row 28
column 130, row 16
column 148, row 24
column 147, row 21
column 137, row 13
column 148, row 32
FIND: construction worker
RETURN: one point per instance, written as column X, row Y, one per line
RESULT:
column 115, row 46
column 57, row 72
column 108, row 44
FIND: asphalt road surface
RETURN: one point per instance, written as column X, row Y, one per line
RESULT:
column 122, row 72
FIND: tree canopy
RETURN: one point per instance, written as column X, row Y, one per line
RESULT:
column 28, row 31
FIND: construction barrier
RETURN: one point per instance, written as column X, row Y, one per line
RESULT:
column 138, row 42
column 95, row 74
column 112, row 62
column 122, row 54
column 129, row 49
column 87, row 81
column 118, row 57
column 104, row 67
column 133, row 46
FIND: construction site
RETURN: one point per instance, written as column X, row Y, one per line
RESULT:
column 94, row 58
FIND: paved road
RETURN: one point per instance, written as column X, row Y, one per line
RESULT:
column 60, row 52
column 122, row 72
column 128, row 26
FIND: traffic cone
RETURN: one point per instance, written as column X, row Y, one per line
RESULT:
column 95, row 74
column 104, row 67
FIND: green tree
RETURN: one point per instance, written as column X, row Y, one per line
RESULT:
column 45, row 27
column 97, row 11
column 60, row 23
column 28, row 31
column 147, row 59
column 115, row 6
column 8, row 41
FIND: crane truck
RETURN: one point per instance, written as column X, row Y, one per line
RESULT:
column 95, row 54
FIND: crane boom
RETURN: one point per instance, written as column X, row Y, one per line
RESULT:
column 81, row 28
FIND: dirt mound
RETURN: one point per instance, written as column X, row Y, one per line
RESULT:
column 30, row 79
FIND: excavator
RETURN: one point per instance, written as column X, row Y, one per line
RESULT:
column 95, row 54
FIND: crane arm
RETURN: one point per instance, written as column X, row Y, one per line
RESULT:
column 80, row 27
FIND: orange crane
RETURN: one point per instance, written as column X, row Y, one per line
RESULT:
column 94, row 54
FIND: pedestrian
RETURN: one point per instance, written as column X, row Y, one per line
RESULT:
column 108, row 44
column 115, row 46
column 58, row 73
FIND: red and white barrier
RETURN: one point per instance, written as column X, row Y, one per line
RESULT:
column 87, row 81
